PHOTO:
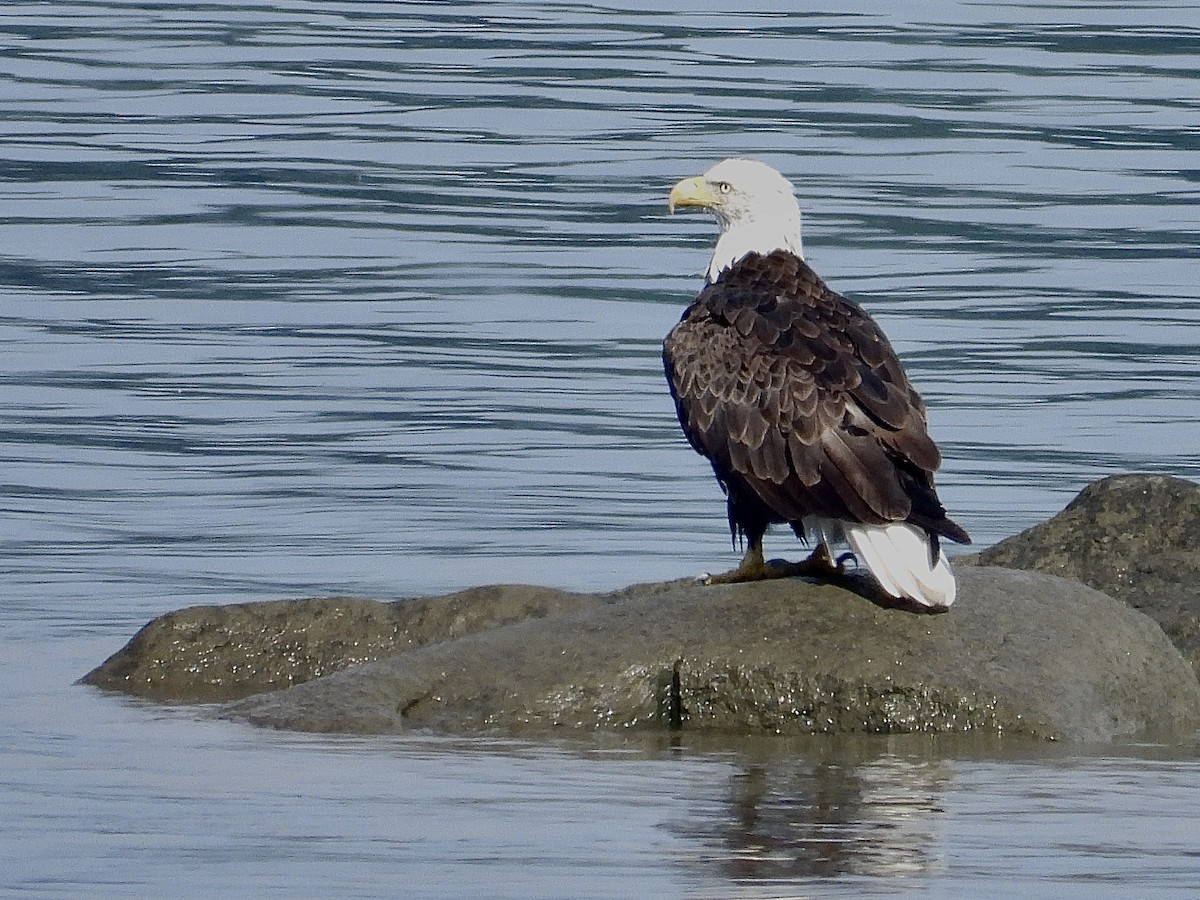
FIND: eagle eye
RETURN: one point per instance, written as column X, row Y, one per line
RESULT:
column 724, row 187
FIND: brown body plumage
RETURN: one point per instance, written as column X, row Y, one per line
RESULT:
column 797, row 399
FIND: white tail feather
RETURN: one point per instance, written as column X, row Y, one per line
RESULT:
column 898, row 557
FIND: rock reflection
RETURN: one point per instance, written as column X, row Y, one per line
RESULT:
column 825, row 816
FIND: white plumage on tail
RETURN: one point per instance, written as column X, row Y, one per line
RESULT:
column 899, row 558
column 897, row 555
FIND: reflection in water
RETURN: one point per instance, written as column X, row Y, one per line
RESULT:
column 792, row 819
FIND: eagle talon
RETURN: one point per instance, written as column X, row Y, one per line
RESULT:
column 754, row 568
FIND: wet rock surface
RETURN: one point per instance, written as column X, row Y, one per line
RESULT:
column 1134, row 537
column 214, row 654
column 1023, row 651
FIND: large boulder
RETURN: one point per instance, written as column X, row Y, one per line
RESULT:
column 214, row 654
column 1020, row 653
column 1134, row 537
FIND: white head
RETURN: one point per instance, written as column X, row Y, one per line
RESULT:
column 755, row 207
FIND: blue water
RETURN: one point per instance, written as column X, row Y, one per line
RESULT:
column 367, row 298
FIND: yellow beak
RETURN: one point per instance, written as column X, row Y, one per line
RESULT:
column 691, row 192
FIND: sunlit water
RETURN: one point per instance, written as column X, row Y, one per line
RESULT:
column 367, row 298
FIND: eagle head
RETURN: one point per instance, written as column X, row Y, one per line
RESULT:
column 754, row 205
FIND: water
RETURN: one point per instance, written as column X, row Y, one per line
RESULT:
column 367, row 298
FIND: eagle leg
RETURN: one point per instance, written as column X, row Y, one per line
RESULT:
column 754, row 567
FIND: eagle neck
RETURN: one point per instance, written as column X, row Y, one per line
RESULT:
column 751, row 237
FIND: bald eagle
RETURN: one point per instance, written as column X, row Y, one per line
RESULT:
column 795, row 396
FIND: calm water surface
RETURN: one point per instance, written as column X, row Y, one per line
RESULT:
column 367, row 298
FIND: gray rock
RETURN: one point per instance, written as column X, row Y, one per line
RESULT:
column 1134, row 537
column 1021, row 652
column 214, row 654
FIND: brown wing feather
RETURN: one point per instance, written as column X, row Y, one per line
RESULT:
column 794, row 391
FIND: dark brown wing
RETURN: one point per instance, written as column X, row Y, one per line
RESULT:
column 792, row 390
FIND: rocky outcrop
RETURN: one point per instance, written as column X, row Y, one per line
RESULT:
column 1134, row 537
column 1021, row 652
column 214, row 654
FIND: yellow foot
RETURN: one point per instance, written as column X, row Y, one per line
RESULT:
column 754, row 568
